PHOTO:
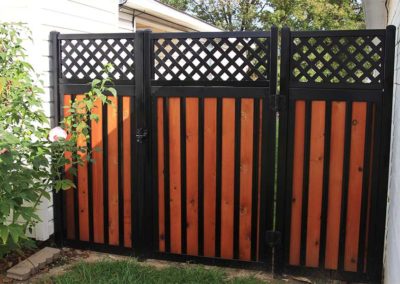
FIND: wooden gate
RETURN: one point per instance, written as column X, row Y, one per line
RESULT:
column 211, row 104
column 193, row 166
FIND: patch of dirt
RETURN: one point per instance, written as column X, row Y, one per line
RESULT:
column 68, row 258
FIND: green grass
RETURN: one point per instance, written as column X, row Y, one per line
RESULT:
column 133, row 272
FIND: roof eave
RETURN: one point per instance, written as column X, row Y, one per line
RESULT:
column 170, row 14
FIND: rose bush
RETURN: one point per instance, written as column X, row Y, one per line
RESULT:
column 32, row 157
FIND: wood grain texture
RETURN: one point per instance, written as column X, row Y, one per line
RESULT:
column 83, row 196
column 97, row 174
column 112, row 155
column 246, row 178
column 227, row 178
column 174, row 114
column 297, row 187
column 127, row 182
column 356, row 170
column 335, row 184
column 315, row 182
column 210, row 153
column 192, row 165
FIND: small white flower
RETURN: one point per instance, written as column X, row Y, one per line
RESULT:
column 56, row 133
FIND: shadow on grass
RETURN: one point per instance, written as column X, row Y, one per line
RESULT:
column 133, row 272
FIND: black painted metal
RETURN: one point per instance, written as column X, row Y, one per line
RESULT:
column 142, row 236
column 167, row 221
column 105, row 172
column 57, row 197
column 183, row 174
column 350, row 66
column 325, row 186
column 218, row 181
column 120, row 130
column 200, row 221
column 236, row 201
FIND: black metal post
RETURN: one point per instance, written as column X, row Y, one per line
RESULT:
column 376, row 248
column 55, row 71
column 142, row 237
column 267, row 190
column 282, row 219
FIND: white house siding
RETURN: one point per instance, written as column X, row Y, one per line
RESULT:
column 125, row 24
column 82, row 16
column 392, row 252
column 65, row 16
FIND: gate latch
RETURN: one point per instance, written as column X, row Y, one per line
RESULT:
column 141, row 135
column 278, row 103
column 272, row 238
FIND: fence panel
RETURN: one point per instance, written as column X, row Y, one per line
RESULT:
column 98, row 214
column 187, row 170
column 337, row 86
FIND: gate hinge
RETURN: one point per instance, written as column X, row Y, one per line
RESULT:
column 272, row 238
column 278, row 103
column 141, row 135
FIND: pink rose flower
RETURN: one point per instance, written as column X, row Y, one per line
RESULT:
column 3, row 151
column 56, row 133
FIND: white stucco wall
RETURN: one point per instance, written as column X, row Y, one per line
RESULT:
column 392, row 248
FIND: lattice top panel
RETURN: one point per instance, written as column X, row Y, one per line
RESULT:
column 85, row 58
column 212, row 59
column 337, row 59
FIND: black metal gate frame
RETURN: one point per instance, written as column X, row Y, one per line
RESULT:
column 142, row 88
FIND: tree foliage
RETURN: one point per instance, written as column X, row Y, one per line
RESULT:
column 262, row 14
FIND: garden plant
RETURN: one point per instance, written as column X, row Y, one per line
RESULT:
column 33, row 156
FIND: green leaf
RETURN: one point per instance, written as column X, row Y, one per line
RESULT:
column 4, row 233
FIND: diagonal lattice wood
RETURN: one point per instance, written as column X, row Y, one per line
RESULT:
column 338, row 59
column 211, row 59
column 86, row 58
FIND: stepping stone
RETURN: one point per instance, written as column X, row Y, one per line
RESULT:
column 31, row 265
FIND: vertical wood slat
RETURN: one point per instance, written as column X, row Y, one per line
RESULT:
column 297, row 188
column 246, row 176
column 192, row 164
column 227, row 177
column 69, row 194
column 355, row 185
column 97, row 174
column 112, row 156
column 82, row 187
column 127, row 182
column 175, row 174
column 335, row 184
column 210, row 173
column 316, row 167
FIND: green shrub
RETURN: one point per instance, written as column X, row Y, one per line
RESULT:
column 31, row 164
